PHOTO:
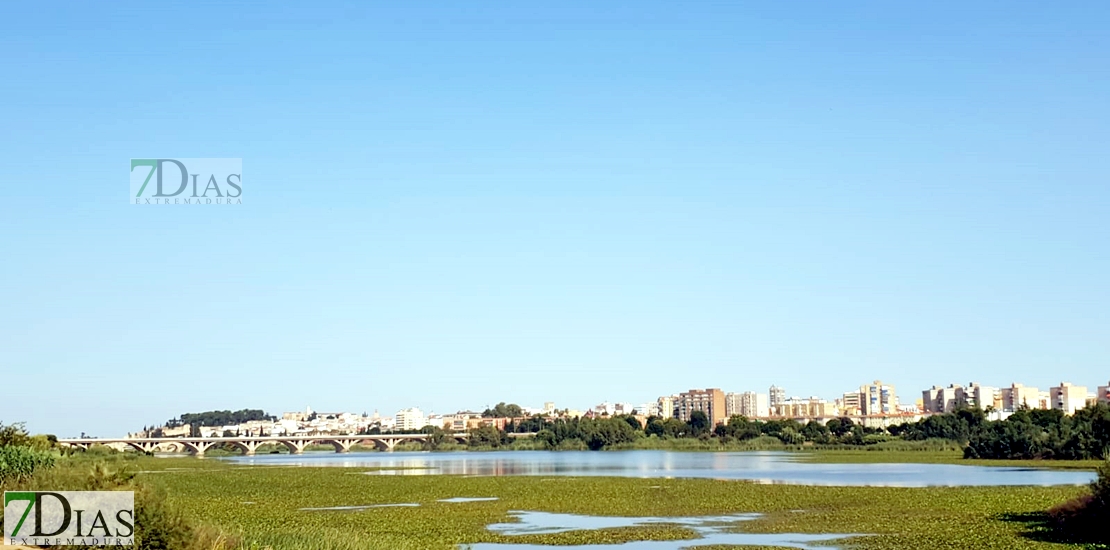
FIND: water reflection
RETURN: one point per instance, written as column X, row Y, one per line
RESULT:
column 359, row 507
column 711, row 530
column 546, row 523
column 764, row 467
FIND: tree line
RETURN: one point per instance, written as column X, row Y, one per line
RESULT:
column 219, row 418
column 1025, row 434
column 614, row 431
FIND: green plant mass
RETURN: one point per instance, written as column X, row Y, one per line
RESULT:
column 191, row 503
column 263, row 505
column 1026, row 434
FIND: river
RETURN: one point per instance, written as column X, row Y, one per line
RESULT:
column 763, row 467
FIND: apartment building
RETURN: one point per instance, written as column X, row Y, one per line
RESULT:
column 984, row 397
column 749, row 404
column 409, row 419
column 732, row 404
column 777, row 395
column 798, row 408
column 710, row 401
column 955, row 396
column 850, row 404
column 1018, row 396
column 943, row 400
column 878, row 398
column 666, row 406
column 754, row 405
column 1067, row 397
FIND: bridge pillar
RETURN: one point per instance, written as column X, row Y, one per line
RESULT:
column 249, row 447
column 386, row 444
column 342, row 445
column 143, row 446
column 295, row 447
column 197, row 447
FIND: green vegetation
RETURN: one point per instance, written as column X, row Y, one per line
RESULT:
column 1083, row 519
column 1027, row 434
column 33, row 464
column 22, row 455
column 262, row 505
column 193, row 504
column 502, row 410
column 1044, row 434
column 19, row 463
column 219, row 418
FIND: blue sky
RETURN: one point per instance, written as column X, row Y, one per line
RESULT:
column 449, row 205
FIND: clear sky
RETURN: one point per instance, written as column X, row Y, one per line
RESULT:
column 451, row 204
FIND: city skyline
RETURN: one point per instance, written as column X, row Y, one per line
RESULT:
column 917, row 406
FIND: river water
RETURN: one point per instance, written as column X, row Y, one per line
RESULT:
column 764, row 467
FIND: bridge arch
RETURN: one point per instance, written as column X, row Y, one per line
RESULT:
column 196, row 446
column 147, row 447
column 249, row 444
column 295, row 447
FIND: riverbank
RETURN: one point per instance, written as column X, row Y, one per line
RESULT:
column 263, row 507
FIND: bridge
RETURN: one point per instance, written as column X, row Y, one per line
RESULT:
column 249, row 444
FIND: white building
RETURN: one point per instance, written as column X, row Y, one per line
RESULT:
column 984, row 397
column 1068, row 398
column 748, row 404
column 623, row 408
column 1018, row 396
column 777, row 395
column 605, row 408
column 667, row 406
column 732, row 404
column 409, row 419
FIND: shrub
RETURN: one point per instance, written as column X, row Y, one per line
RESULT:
column 1083, row 519
column 19, row 463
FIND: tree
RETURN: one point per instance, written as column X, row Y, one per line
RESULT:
column 840, row 426
column 816, row 432
column 221, row 418
column 14, row 435
column 790, row 436
column 503, row 410
column 631, row 420
column 546, row 438
column 599, row 433
column 485, row 436
column 699, row 423
column 436, row 437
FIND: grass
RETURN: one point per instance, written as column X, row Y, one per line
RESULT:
column 216, row 492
